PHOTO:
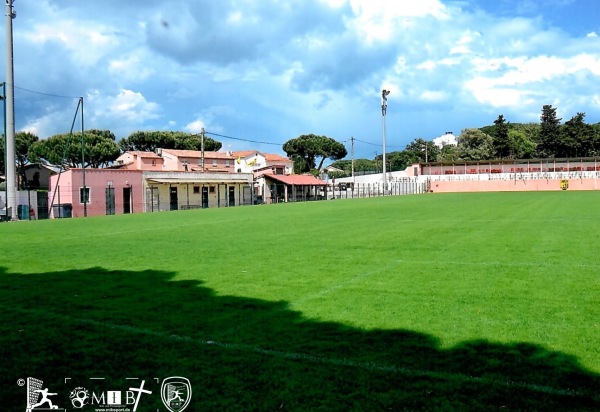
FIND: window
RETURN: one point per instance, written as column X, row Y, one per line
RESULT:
column 211, row 189
column 227, row 163
column 84, row 195
column 279, row 170
column 214, row 162
column 153, row 162
column 196, row 190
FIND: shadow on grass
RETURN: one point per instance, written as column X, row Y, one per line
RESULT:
column 249, row 354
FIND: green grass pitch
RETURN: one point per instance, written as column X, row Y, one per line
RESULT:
column 485, row 301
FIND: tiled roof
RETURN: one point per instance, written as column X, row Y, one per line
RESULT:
column 245, row 153
column 298, row 180
column 198, row 154
column 140, row 153
column 270, row 157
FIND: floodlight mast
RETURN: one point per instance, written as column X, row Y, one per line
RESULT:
column 384, row 95
column 11, row 176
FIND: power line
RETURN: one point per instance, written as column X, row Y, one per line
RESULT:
column 243, row 140
column 46, row 94
column 377, row 144
column 369, row 143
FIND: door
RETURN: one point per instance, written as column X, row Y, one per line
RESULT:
column 173, row 198
column 110, row 200
column 42, row 205
column 127, row 200
column 204, row 197
column 231, row 195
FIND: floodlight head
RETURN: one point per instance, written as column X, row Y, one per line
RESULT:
column 385, row 93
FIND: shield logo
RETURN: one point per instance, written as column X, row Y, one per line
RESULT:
column 176, row 393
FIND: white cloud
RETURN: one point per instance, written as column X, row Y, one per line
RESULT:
column 194, row 127
column 126, row 111
column 132, row 106
column 378, row 20
column 87, row 43
column 131, row 68
column 434, row 96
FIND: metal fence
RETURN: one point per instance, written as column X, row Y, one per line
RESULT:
column 362, row 190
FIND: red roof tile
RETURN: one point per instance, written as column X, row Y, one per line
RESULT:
column 298, row 180
column 198, row 154
column 140, row 153
column 269, row 157
column 245, row 153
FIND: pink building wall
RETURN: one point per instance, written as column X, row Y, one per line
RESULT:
column 512, row 185
column 191, row 160
column 97, row 181
column 136, row 160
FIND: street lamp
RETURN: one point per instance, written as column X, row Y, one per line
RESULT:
column 384, row 95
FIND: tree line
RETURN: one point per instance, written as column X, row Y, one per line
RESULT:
column 97, row 148
column 502, row 140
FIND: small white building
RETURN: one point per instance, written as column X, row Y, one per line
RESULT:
column 253, row 161
column 447, row 139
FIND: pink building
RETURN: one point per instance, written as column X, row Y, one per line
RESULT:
column 108, row 192
column 196, row 161
column 151, row 182
column 136, row 160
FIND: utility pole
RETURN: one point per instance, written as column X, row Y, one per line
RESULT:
column 202, row 147
column 3, row 98
column 11, row 175
column 353, row 178
column 85, row 192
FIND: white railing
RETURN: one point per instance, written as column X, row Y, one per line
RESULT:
column 514, row 176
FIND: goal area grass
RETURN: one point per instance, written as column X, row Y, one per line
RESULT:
column 481, row 301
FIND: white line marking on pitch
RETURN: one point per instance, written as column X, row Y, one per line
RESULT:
column 369, row 366
column 509, row 264
column 340, row 285
column 364, row 275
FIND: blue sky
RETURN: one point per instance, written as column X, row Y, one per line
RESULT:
column 268, row 70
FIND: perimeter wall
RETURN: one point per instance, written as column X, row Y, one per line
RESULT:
column 512, row 183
